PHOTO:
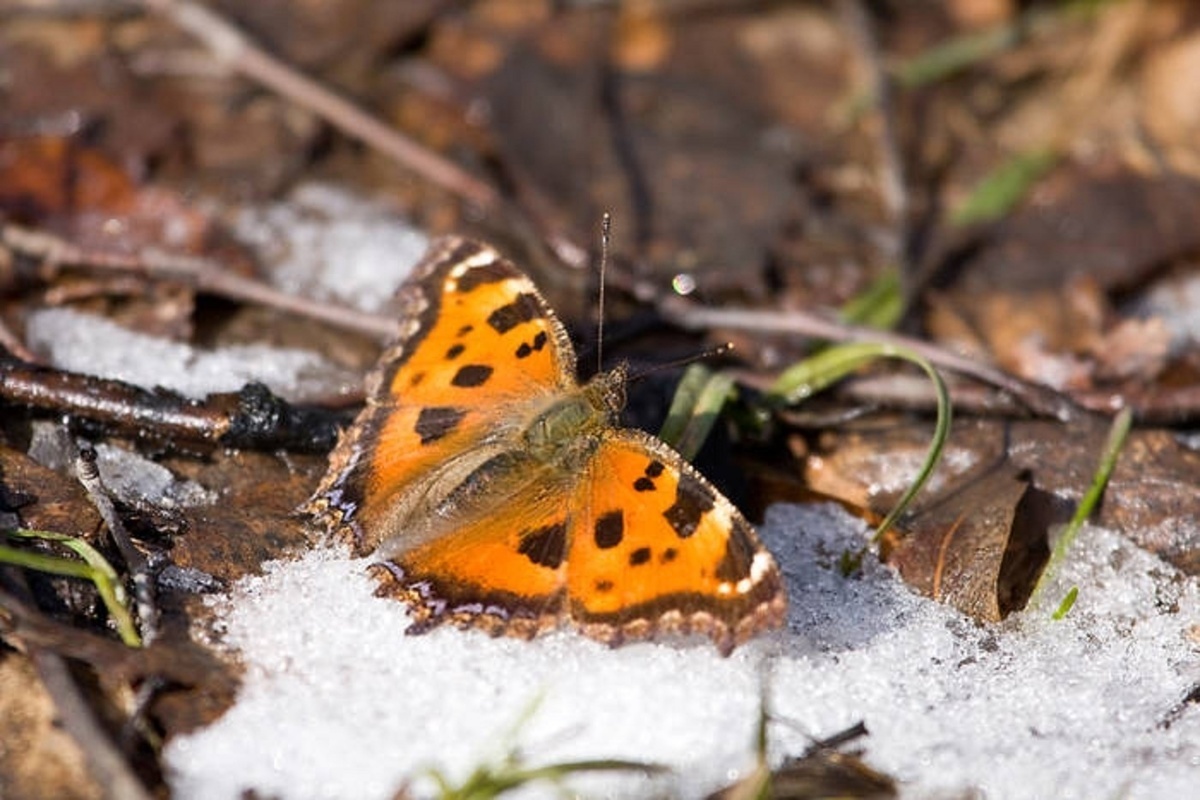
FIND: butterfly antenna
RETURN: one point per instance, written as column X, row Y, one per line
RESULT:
column 712, row 352
column 605, row 238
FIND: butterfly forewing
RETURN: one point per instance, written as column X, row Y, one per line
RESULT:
column 478, row 344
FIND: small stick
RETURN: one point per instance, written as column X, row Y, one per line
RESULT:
column 254, row 418
column 139, row 568
column 201, row 273
column 108, row 767
column 235, row 49
column 691, row 316
column 92, row 9
column 10, row 342
column 890, row 169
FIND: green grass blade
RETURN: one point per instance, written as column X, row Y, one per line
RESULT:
column 829, row 366
column 486, row 784
column 1067, row 603
column 695, row 408
column 42, row 562
column 821, row 370
column 687, row 394
column 490, row 780
column 1118, row 432
column 880, row 305
column 957, row 54
column 1005, row 186
column 95, row 567
column 941, row 432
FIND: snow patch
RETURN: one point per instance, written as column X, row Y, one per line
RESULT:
column 338, row 702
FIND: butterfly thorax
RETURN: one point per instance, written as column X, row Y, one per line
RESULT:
column 568, row 429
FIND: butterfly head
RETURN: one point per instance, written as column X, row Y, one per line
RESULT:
column 606, row 391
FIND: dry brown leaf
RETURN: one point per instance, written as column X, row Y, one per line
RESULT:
column 979, row 547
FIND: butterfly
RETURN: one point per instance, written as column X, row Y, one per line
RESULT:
column 498, row 493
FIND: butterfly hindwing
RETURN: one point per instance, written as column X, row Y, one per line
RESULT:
column 656, row 548
column 502, row 571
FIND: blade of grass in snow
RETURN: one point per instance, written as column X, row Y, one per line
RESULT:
column 487, row 781
column 1117, row 434
column 1067, row 604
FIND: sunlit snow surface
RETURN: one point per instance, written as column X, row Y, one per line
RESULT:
column 338, row 702
column 329, row 244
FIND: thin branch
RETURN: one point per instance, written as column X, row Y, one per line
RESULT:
column 203, row 274
column 688, row 315
column 235, row 49
column 10, row 342
column 139, row 568
column 254, row 418
column 92, row 9
column 1159, row 405
column 180, row 662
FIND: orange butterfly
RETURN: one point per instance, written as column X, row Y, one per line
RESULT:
column 499, row 493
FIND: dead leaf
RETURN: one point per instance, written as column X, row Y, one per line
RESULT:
column 44, row 499
column 76, row 192
column 255, row 519
column 980, row 547
column 966, row 542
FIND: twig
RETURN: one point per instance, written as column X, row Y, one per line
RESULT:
column 254, row 418
column 235, row 49
column 184, row 664
column 1152, row 406
column 139, row 568
column 906, row 392
column 201, row 273
column 10, row 342
column 1038, row 399
column 1157, row 405
column 641, row 198
column 92, row 9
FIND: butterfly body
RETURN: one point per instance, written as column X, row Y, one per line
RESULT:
column 499, row 493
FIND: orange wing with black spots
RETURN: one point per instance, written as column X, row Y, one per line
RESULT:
column 655, row 547
column 477, row 344
column 499, row 494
